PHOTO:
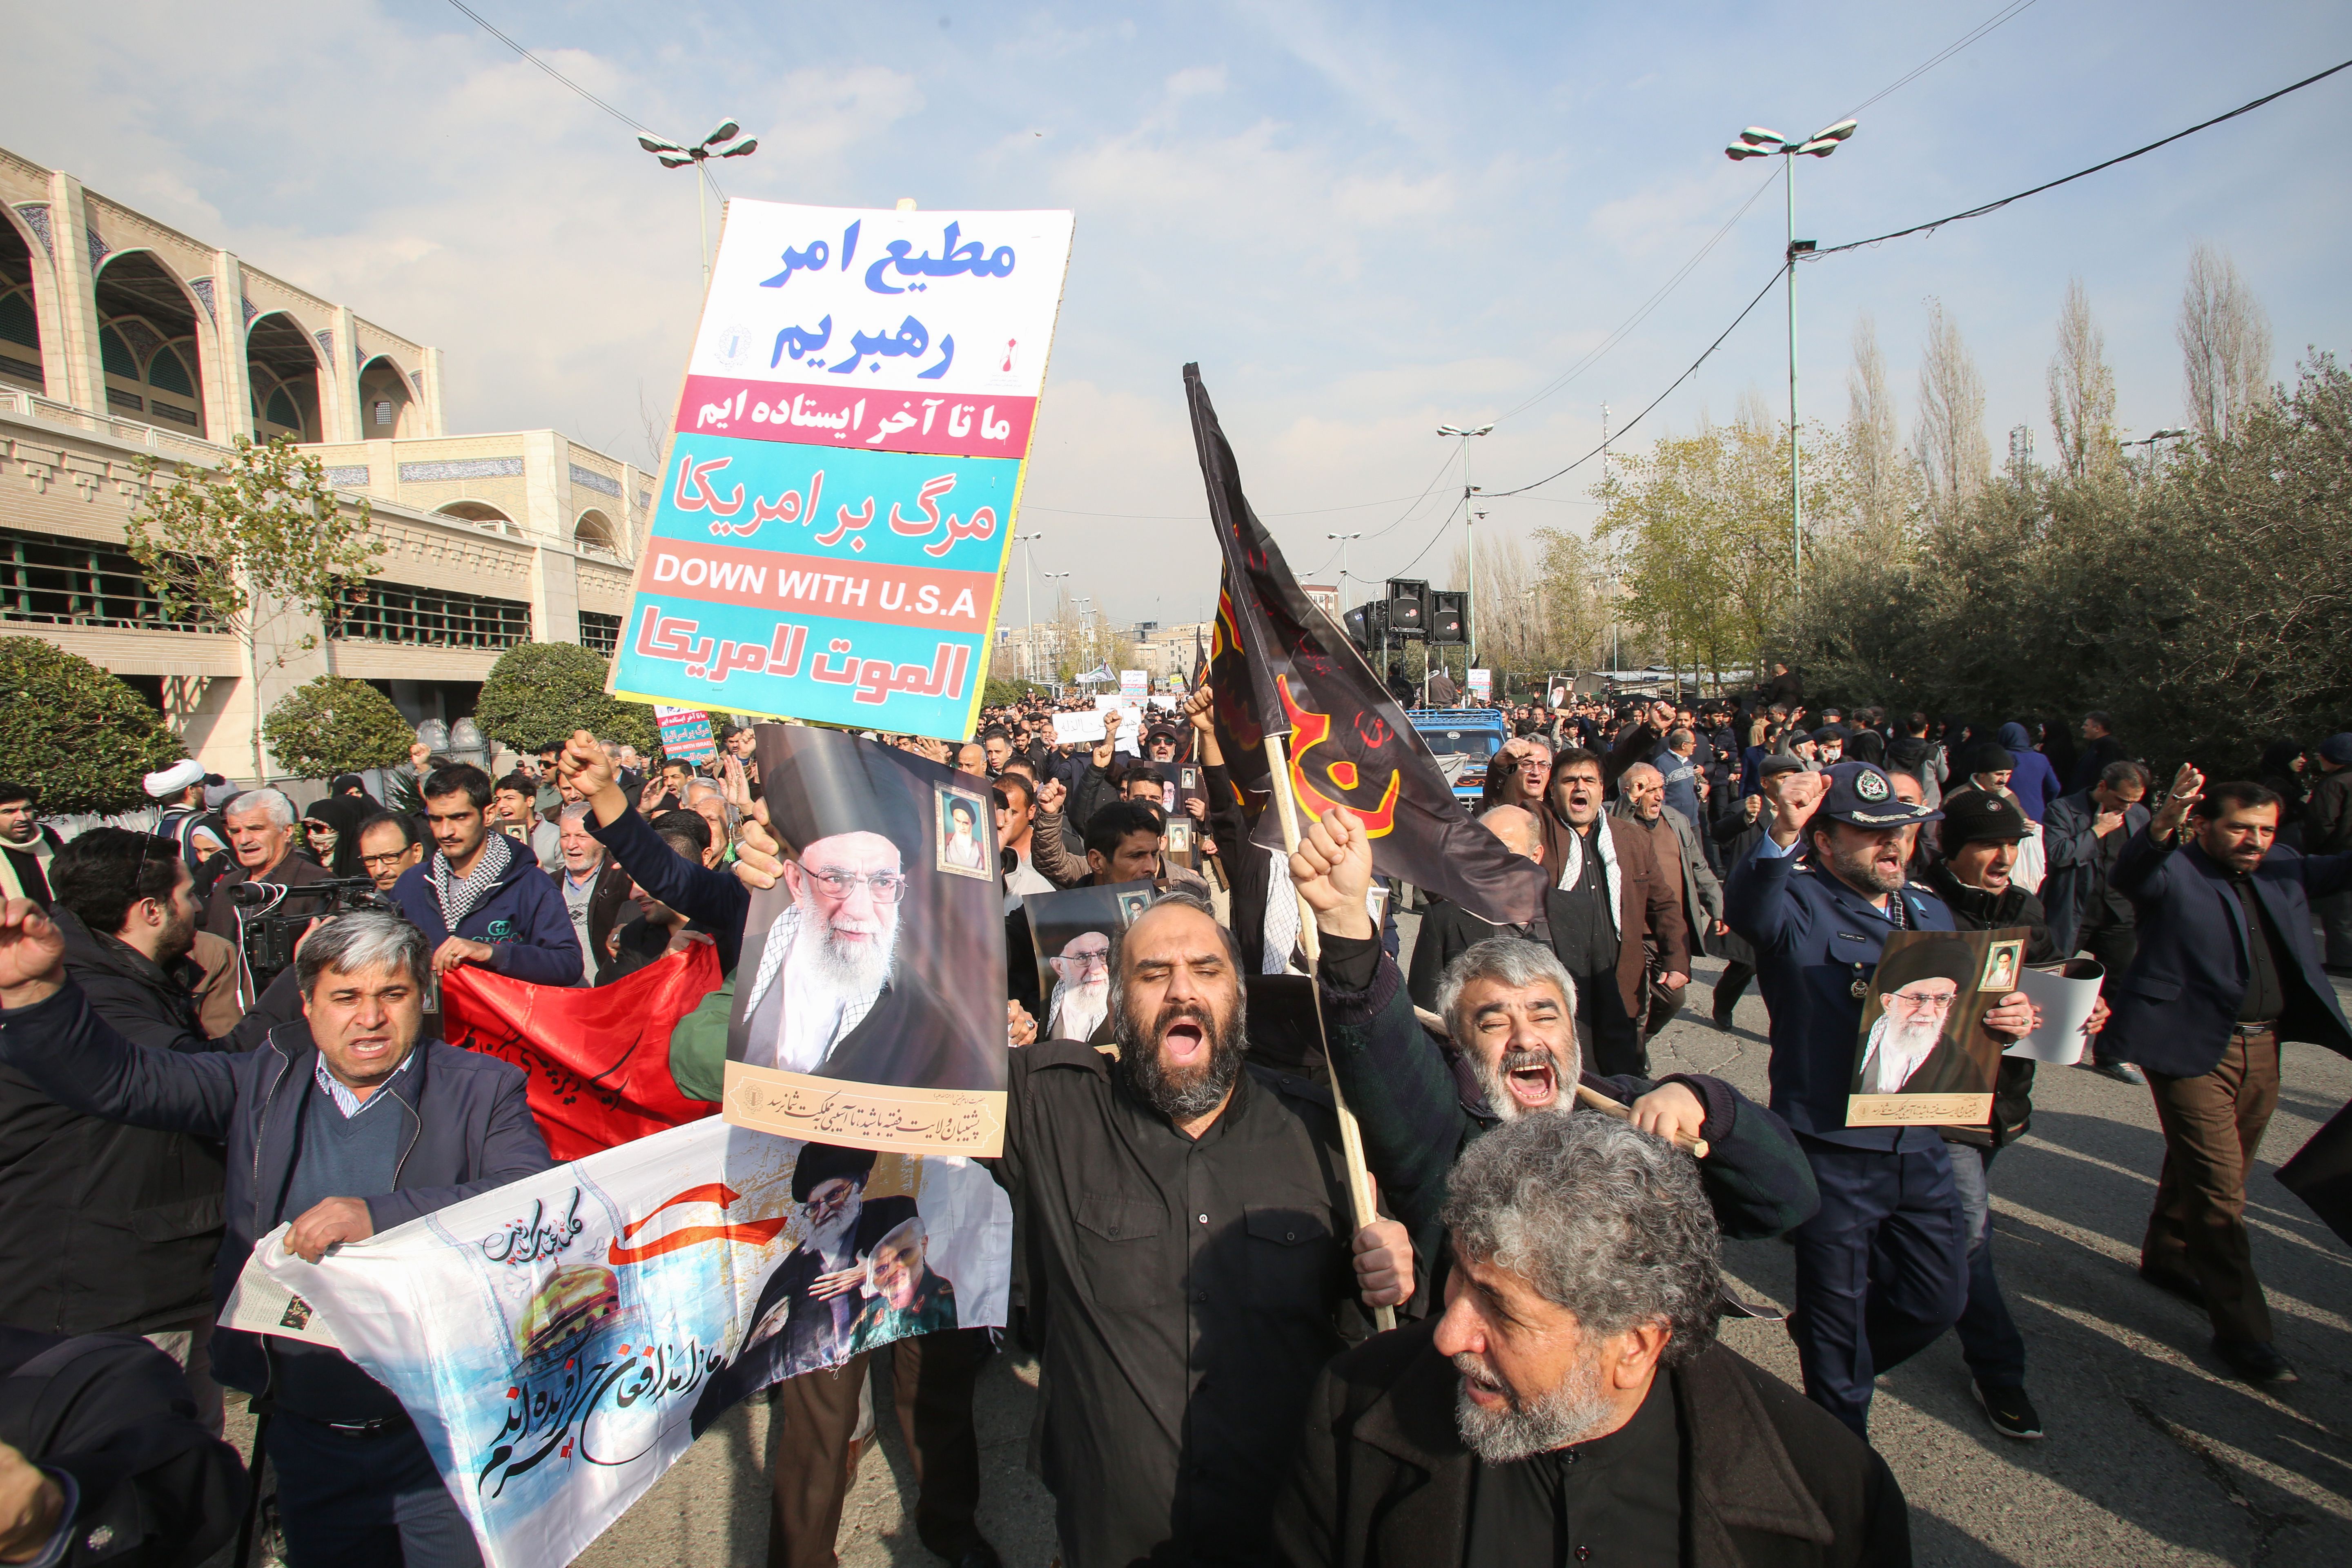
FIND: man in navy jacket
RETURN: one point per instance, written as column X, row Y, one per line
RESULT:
column 2224, row 971
column 343, row 1124
column 1882, row 1269
column 480, row 897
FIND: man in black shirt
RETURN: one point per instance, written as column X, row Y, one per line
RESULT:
column 1573, row 1403
column 1190, row 1252
column 2226, row 969
column 2084, row 836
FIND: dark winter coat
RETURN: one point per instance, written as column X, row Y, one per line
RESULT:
column 469, row 1129
column 522, row 919
column 105, row 1228
column 1770, row 1480
column 1973, row 909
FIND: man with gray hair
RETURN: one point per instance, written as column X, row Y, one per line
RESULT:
column 1573, row 1402
column 1508, row 1010
column 342, row 1124
column 260, row 824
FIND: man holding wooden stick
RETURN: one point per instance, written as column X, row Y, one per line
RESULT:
column 1509, row 1008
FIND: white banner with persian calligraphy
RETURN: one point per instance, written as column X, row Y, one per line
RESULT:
column 561, row 1341
column 831, row 536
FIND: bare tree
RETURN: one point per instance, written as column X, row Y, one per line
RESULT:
column 2081, row 389
column 2225, row 344
column 1950, row 439
column 1881, row 477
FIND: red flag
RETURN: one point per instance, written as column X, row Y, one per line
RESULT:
column 598, row 1059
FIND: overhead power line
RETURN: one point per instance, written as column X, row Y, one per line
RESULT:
column 483, row 23
column 1637, row 418
column 1916, row 72
column 2079, row 174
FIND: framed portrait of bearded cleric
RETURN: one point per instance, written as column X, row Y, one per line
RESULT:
column 869, row 1000
column 1071, row 932
column 1923, row 1055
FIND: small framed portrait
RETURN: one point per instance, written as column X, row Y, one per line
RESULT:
column 2002, row 962
column 1188, row 780
column 1376, row 902
column 1178, row 842
column 963, row 826
column 1133, row 904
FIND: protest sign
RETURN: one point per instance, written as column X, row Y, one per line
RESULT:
column 1070, row 933
column 1134, row 683
column 831, row 533
column 597, row 1060
column 870, row 1005
column 1482, row 684
column 686, row 734
column 1922, row 1056
column 560, row 1341
column 2066, row 996
column 1078, row 729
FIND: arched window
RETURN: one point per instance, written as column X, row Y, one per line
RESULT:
column 594, row 530
column 169, row 373
column 115, row 354
column 17, row 323
column 281, row 410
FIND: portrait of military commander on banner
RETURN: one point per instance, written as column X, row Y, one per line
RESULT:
column 1925, row 1038
column 867, row 961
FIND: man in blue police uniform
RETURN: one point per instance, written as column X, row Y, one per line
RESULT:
column 1881, row 1269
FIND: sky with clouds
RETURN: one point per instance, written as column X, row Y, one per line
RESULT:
column 1363, row 221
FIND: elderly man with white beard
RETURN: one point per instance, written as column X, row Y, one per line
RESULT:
column 1573, row 1403
column 1511, row 1051
column 1081, row 999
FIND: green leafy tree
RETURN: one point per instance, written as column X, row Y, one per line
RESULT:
column 336, row 726
column 73, row 731
column 255, row 542
column 541, row 691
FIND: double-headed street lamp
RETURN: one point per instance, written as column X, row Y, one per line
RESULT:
column 1758, row 142
column 674, row 156
column 1469, row 541
column 1029, row 578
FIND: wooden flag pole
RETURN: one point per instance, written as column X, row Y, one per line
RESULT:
column 1351, row 1136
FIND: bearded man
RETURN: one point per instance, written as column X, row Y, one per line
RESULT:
column 1907, row 1052
column 1081, row 1000
column 1573, row 1402
column 1508, row 1009
column 827, row 993
column 1186, row 1222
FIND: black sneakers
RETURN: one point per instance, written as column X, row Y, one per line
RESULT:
column 2255, row 1361
column 2012, row 1413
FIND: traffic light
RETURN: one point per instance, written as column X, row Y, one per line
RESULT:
column 1449, row 616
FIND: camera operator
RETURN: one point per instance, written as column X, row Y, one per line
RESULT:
column 261, row 835
column 106, row 1229
column 345, row 1123
column 480, row 897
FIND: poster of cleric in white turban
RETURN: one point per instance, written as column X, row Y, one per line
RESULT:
column 1924, row 1056
column 1072, row 932
column 869, row 1003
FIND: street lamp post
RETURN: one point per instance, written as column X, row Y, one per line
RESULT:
column 1029, row 583
column 1057, row 577
column 1343, row 539
column 674, row 156
column 1469, row 545
column 1758, row 142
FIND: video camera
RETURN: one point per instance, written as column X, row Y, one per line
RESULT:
column 272, row 916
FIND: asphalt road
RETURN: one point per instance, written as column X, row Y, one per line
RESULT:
column 2154, row 1455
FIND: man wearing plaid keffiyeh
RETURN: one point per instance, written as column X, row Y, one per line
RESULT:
column 478, row 899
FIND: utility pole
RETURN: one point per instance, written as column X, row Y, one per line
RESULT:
column 1470, row 539
column 1758, row 142
column 1029, row 580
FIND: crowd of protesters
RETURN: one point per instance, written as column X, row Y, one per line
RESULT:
column 1189, row 1271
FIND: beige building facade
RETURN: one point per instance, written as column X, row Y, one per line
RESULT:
column 121, row 338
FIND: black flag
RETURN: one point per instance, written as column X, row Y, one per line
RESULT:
column 1280, row 666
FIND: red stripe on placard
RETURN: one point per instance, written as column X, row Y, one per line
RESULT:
column 853, row 591
column 957, row 425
